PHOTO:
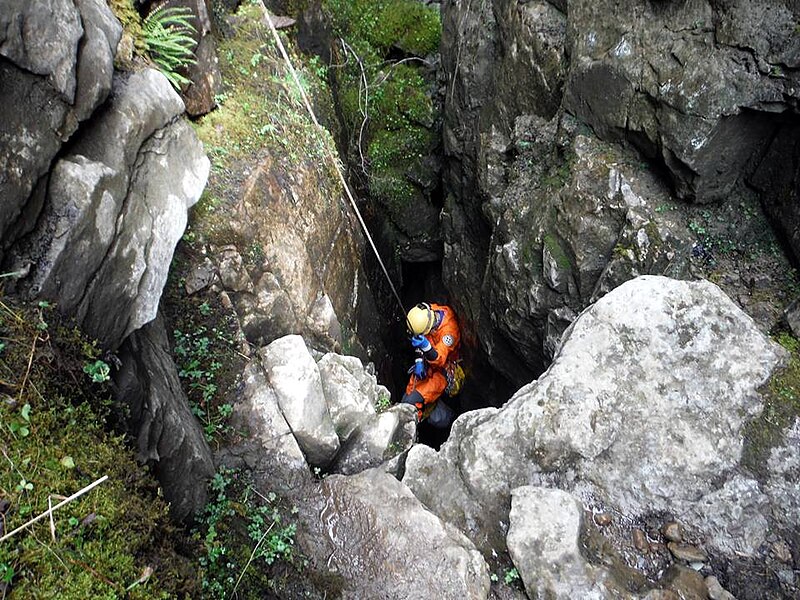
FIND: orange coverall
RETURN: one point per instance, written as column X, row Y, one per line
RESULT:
column 444, row 339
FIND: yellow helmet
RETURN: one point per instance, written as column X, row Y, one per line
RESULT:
column 420, row 319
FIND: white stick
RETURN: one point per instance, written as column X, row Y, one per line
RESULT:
column 57, row 506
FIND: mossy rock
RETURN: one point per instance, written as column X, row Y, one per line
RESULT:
column 781, row 408
column 397, row 132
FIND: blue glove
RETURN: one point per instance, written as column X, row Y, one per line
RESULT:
column 419, row 368
column 420, row 342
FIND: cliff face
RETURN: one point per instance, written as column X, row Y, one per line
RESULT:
column 579, row 113
column 98, row 171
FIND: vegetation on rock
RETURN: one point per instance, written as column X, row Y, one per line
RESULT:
column 385, row 101
column 261, row 112
column 116, row 540
column 247, row 540
column 165, row 36
column 781, row 409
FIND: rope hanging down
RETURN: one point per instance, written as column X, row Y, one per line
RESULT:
column 330, row 155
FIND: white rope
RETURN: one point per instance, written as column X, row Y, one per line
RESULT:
column 330, row 155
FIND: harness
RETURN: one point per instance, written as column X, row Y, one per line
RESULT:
column 454, row 373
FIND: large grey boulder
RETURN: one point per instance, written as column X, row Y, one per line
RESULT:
column 168, row 437
column 384, row 544
column 644, row 410
column 56, row 64
column 295, row 378
column 270, row 450
column 114, row 212
column 377, row 440
column 351, row 393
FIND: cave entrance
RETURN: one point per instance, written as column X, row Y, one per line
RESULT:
column 422, row 282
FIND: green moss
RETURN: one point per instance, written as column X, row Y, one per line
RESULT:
column 560, row 173
column 557, row 252
column 55, row 443
column 396, row 133
column 781, row 408
column 405, row 24
column 261, row 112
column 131, row 22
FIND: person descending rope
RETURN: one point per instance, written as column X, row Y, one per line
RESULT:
column 436, row 370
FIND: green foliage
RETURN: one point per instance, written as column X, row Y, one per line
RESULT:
column 169, row 38
column 261, row 107
column 557, row 252
column 196, row 355
column 407, row 24
column 131, row 22
column 383, row 402
column 54, row 443
column 98, row 371
column 242, row 534
column 386, row 104
column 511, row 576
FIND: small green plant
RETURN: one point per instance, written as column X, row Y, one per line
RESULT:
column 169, row 37
column 383, row 402
column 98, row 371
column 227, row 550
column 20, row 426
column 195, row 352
column 511, row 576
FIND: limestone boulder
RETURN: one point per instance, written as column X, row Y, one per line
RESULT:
column 351, row 393
column 378, row 534
column 270, row 450
column 295, row 379
column 644, row 409
column 544, row 543
column 378, row 440
column 114, row 212
column 56, row 67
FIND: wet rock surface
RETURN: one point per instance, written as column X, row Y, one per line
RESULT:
column 114, row 212
column 379, row 535
column 55, row 69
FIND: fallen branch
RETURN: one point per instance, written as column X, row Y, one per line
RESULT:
column 57, row 506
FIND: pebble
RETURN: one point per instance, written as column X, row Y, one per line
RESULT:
column 782, row 551
column 640, row 540
column 687, row 552
column 672, row 531
column 786, row 576
column 716, row 591
column 687, row 583
column 602, row 519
